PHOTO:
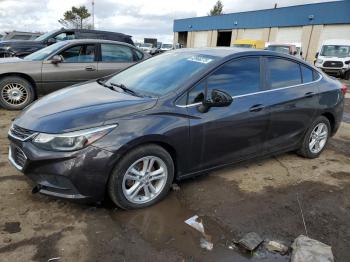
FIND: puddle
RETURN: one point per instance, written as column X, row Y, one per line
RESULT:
column 12, row 227
column 163, row 226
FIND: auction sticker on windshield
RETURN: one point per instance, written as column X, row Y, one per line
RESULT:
column 200, row 59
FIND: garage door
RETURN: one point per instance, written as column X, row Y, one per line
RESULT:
column 200, row 39
column 289, row 35
column 334, row 32
column 253, row 34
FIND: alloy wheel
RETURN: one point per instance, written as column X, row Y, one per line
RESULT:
column 318, row 138
column 14, row 94
column 145, row 179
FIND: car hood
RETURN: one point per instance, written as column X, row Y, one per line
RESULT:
column 10, row 60
column 18, row 42
column 79, row 107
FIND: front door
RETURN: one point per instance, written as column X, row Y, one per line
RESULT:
column 78, row 65
column 223, row 135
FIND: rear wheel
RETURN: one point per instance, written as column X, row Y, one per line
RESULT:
column 142, row 177
column 315, row 138
column 15, row 93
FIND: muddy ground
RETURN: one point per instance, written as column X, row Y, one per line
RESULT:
column 260, row 196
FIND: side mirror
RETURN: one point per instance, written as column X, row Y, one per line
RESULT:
column 316, row 55
column 347, row 62
column 51, row 41
column 56, row 59
column 218, row 99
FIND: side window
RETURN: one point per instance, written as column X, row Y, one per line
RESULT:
column 307, row 74
column 79, row 54
column 139, row 55
column 65, row 36
column 282, row 72
column 116, row 53
column 236, row 78
column 196, row 95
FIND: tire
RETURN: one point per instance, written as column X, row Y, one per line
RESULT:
column 321, row 125
column 17, row 88
column 129, row 174
column 347, row 75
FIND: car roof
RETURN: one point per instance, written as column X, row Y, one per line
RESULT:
column 227, row 53
column 96, row 41
column 336, row 42
column 215, row 51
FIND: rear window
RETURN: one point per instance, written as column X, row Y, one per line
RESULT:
column 282, row 72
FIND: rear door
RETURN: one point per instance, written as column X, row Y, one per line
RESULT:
column 114, row 58
column 293, row 99
column 79, row 64
column 227, row 134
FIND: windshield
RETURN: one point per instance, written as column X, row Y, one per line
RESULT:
column 45, row 52
column 162, row 74
column 336, row 50
column 167, row 46
column 243, row 45
column 44, row 36
column 279, row 48
column 146, row 45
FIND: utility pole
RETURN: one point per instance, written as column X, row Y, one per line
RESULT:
column 93, row 14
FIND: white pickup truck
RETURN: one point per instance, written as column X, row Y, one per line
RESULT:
column 333, row 57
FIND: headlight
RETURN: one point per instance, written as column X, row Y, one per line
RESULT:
column 73, row 140
column 319, row 61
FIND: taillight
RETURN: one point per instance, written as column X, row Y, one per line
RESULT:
column 343, row 89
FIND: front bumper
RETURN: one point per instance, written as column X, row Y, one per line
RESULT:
column 334, row 71
column 80, row 175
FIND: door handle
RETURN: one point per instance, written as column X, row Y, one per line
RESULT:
column 90, row 68
column 309, row 94
column 256, row 108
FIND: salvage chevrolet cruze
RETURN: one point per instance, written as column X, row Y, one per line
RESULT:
column 177, row 115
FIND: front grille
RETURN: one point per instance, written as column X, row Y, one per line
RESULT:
column 333, row 64
column 19, row 156
column 20, row 133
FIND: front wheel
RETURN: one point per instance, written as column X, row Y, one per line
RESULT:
column 15, row 93
column 315, row 138
column 142, row 177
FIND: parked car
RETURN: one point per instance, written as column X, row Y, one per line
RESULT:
column 248, row 43
column 130, row 135
column 334, row 58
column 26, row 47
column 166, row 47
column 146, row 47
column 18, row 35
column 285, row 48
column 59, row 65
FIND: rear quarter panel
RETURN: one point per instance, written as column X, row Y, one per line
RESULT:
column 331, row 100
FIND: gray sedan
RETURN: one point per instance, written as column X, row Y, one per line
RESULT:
column 59, row 65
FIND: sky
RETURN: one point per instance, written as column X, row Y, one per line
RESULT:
column 139, row 18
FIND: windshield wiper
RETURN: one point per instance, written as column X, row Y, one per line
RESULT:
column 125, row 89
column 103, row 83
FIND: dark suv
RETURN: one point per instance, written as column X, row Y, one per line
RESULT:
column 26, row 47
column 173, row 116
